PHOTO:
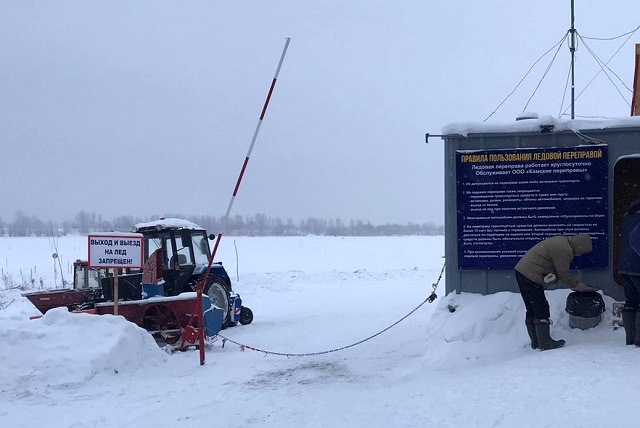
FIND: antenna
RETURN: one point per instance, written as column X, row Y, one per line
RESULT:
column 572, row 49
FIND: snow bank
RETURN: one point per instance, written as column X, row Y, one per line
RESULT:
column 62, row 349
column 474, row 327
column 470, row 367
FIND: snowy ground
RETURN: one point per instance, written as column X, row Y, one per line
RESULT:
column 471, row 367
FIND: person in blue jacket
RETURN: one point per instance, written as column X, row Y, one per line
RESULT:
column 629, row 270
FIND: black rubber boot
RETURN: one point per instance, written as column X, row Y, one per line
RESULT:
column 544, row 337
column 629, row 321
column 531, row 329
column 637, row 329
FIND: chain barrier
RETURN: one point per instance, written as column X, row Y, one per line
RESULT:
column 429, row 299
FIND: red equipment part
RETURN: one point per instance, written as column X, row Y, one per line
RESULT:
column 164, row 317
column 45, row 300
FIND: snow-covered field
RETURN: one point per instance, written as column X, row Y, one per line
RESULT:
column 436, row 368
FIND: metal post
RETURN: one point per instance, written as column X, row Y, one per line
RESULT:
column 200, row 324
column 572, row 49
column 55, row 271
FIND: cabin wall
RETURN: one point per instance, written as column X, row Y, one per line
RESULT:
column 623, row 163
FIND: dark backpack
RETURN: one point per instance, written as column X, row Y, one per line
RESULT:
column 585, row 305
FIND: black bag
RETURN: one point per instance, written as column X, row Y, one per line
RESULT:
column 585, row 305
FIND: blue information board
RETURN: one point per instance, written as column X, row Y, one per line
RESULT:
column 509, row 200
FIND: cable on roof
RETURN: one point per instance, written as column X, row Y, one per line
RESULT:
column 609, row 60
column 605, row 67
column 525, row 76
column 612, row 38
column 543, row 76
column 588, row 139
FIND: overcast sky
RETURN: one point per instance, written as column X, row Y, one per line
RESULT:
column 148, row 107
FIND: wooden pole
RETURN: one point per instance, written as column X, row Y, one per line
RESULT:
column 635, row 100
column 116, row 272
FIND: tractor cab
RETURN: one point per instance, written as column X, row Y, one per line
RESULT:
column 178, row 250
column 88, row 280
column 177, row 254
column 86, row 292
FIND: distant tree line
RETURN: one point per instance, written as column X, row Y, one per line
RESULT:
column 256, row 225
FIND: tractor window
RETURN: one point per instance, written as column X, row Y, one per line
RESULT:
column 200, row 249
column 80, row 277
column 152, row 245
column 184, row 256
column 94, row 277
column 183, row 253
column 88, row 278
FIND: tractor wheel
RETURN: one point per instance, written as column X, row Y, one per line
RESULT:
column 163, row 324
column 218, row 292
column 246, row 316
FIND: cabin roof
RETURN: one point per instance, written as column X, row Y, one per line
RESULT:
column 538, row 124
column 166, row 223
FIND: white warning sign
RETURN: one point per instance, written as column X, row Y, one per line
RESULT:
column 116, row 251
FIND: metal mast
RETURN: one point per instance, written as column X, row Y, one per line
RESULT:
column 572, row 49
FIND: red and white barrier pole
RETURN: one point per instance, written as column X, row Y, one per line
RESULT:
column 253, row 142
column 255, row 134
column 235, row 192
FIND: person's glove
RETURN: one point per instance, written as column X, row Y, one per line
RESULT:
column 583, row 288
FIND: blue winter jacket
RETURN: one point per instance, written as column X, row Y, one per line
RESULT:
column 628, row 259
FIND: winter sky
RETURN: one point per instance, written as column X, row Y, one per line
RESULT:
column 143, row 108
